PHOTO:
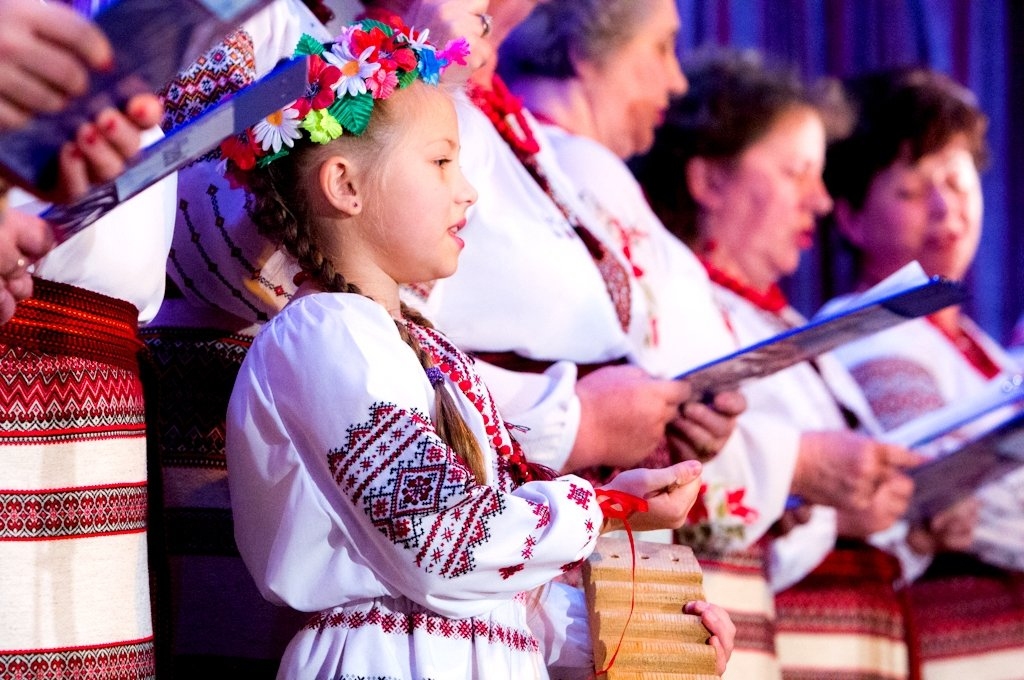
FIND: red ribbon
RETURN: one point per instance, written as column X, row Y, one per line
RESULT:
column 620, row 505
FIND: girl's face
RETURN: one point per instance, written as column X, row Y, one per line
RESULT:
column 630, row 91
column 762, row 207
column 421, row 199
column 929, row 211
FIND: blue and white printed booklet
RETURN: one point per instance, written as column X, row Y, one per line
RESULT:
column 905, row 295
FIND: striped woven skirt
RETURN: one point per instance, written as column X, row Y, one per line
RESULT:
column 738, row 582
column 845, row 620
column 74, row 584
column 969, row 618
column 213, row 620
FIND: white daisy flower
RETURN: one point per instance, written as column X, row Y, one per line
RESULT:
column 280, row 128
column 354, row 70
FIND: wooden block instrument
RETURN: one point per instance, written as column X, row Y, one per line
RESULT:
column 659, row 642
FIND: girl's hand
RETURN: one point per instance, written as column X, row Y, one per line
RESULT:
column 720, row 625
column 670, row 493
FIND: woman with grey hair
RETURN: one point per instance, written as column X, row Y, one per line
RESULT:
column 603, row 74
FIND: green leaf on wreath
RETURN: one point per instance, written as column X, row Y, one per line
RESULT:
column 353, row 112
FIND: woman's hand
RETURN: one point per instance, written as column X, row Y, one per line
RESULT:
column 102, row 148
column 888, row 504
column 623, row 415
column 670, row 493
column 46, row 53
column 701, row 430
column 720, row 625
column 844, row 469
column 951, row 530
column 23, row 240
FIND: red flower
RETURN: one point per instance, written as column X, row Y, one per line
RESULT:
column 322, row 77
column 734, row 501
column 699, row 512
column 375, row 38
column 240, row 150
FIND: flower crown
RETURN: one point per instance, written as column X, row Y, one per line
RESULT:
column 367, row 61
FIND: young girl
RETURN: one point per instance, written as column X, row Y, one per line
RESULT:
column 371, row 477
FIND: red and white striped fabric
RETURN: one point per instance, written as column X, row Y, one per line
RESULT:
column 74, row 587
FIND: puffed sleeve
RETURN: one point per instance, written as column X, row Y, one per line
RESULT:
column 342, row 489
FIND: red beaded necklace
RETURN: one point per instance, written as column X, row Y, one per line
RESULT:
column 969, row 348
column 772, row 300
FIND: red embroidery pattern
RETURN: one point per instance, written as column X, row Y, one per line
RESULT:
column 478, row 630
column 513, row 469
column 969, row 348
column 195, row 370
column 398, row 470
column 226, row 68
column 125, row 661
column 412, row 486
column 420, row 290
column 52, row 398
column 580, row 495
column 72, row 513
column 507, row 572
column 772, row 300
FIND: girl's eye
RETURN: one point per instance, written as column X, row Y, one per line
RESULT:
column 441, row 162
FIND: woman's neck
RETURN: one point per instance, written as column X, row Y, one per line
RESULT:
column 723, row 262
column 560, row 102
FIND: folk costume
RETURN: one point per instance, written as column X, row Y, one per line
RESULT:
column 836, row 612
column 746, row 484
column 347, row 503
column 968, row 609
column 74, row 583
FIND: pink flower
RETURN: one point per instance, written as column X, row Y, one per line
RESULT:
column 382, row 84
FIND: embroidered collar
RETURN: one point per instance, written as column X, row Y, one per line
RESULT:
column 772, row 300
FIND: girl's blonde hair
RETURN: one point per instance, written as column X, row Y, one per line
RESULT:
column 281, row 211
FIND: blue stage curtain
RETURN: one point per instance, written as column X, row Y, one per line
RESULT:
column 978, row 42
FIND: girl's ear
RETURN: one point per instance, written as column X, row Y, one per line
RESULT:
column 340, row 186
column 705, row 179
column 848, row 222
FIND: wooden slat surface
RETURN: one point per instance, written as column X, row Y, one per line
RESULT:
column 660, row 642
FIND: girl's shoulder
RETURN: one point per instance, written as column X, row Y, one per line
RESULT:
column 329, row 323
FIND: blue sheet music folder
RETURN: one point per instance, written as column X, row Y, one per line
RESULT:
column 822, row 335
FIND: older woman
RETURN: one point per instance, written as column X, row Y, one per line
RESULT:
column 602, row 74
column 907, row 188
column 736, row 173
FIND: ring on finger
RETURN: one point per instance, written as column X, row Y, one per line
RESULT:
column 486, row 20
